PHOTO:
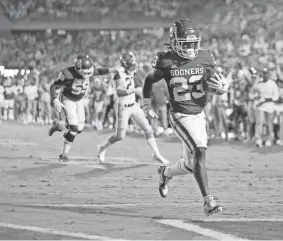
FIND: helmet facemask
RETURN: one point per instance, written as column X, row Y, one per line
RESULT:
column 186, row 48
column 84, row 68
column 86, row 73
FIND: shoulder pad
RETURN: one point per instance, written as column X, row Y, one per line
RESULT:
column 66, row 74
column 161, row 60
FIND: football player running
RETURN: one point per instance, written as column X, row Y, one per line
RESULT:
column 189, row 73
column 129, row 108
column 74, row 82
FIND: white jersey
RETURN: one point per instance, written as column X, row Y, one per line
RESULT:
column 31, row 92
column 125, row 80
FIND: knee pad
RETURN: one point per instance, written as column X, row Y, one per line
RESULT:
column 71, row 133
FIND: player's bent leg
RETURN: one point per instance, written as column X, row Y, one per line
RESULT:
column 182, row 167
column 142, row 122
column 118, row 136
column 69, row 138
column 123, row 116
column 56, row 126
column 199, row 171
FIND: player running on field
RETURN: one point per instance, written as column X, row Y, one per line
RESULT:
column 189, row 73
column 129, row 108
column 74, row 81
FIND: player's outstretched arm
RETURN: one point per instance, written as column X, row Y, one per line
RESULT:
column 152, row 77
column 104, row 71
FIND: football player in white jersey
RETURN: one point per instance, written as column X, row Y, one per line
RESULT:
column 129, row 108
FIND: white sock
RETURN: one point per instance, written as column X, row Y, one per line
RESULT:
column 152, row 142
column 177, row 169
column 105, row 144
column 66, row 147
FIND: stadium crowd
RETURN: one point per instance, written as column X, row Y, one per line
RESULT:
column 244, row 37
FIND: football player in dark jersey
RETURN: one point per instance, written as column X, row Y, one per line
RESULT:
column 189, row 73
column 74, row 82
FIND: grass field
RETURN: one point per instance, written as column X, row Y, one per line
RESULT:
column 44, row 199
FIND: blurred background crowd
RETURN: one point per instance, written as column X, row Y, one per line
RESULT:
column 245, row 37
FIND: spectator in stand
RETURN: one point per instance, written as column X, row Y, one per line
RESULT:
column 266, row 92
column 239, row 100
column 31, row 92
column 44, row 101
column 279, row 107
column 9, row 99
column 252, row 79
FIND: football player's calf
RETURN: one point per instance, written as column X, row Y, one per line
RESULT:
column 143, row 123
column 69, row 137
column 183, row 167
column 118, row 136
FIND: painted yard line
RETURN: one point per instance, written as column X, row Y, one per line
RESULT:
column 197, row 229
column 133, row 205
column 84, row 164
column 53, row 232
column 125, row 159
column 238, row 220
column 18, row 143
column 113, row 161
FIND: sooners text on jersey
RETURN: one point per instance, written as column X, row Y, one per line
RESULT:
column 185, row 79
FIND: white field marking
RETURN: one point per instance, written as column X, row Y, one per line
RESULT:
column 18, row 143
column 238, row 220
column 197, row 229
column 124, row 159
column 53, row 232
column 94, row 205
column 84, row 164
column 109, row 160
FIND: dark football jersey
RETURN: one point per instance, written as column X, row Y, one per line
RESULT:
column 74, row 85
column 186, row 79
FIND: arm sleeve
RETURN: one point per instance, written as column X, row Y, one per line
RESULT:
column 101, row 71
column 59, row 83
column 152, row 77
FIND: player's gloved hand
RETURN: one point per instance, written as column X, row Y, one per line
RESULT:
column 218, row 82
column 149, row 112
column 58, row 105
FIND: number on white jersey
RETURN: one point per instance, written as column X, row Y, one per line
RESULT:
column 184, row 89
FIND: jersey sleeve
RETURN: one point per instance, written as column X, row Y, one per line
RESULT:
column 63, row 78
column 160, row 61
column 100, row 71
